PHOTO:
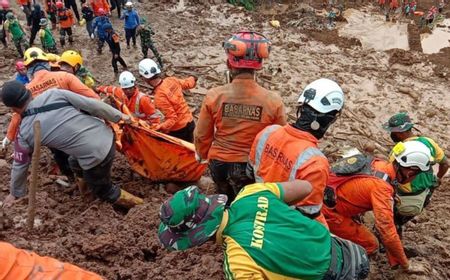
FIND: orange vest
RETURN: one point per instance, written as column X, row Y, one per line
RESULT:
column 65, row 17
column 284, row 153
column 363, row 194
column 17, row 264
column 232, row 115
column 170, row 101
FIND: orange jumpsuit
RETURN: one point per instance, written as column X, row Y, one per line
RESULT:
column 140, row 105
column 67, row 23
column 359, row 195
column 232, row 115
column 170, row 101
column 285, row 153
column 44, row 80
column 17, row 264
column 97, row 4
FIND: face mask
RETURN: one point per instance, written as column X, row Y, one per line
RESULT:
column 314, row 122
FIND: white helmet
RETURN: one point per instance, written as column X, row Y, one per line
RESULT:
column 323, row 95
column 127, row 79
column 148, row 68
column 129, row 4
column 413, row 153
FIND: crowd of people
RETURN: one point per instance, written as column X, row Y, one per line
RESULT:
column 281, row 209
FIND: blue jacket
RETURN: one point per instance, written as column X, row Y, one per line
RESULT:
column 98, row 24
column 131, row 19
column 22, row 78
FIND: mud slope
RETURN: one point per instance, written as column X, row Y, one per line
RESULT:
column 377, row 84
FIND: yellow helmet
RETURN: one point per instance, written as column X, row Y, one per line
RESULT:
column 73, row 58
column 53, row 57
column 32, row 54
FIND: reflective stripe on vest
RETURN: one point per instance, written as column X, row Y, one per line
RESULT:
column 260, row 148
column 137, row 113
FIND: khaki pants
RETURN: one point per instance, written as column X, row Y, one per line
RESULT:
column 412, row 205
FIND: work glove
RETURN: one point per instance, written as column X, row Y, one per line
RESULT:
column 5, row 143
column 199, row 159
column 92, row 36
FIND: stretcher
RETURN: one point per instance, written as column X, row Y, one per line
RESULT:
column 155, row 155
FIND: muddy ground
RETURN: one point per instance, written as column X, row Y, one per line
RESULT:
column 377, row 84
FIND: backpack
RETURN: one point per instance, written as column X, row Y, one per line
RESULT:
column 345, row 169
column 62, row 15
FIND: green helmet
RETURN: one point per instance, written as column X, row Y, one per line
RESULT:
column 190, row 218
column 9, row 15
column 398, row 123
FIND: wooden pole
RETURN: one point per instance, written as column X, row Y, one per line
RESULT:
column 34, row 174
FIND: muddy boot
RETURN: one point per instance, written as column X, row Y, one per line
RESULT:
column 127, row 200
column 85, row 193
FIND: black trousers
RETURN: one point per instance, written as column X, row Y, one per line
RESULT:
column 130, row 34
column 230, row 177
column 98, row 178
column 186, row 133
column 62, row 160
column 117, row 58
column 72, row 4
column 117, row 4
column 34, row 31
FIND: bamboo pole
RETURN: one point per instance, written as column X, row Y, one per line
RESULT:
column 34, row 175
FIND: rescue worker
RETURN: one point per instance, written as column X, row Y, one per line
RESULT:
column 232, row 115
column 415, row 195
column 88, row 15
column 48, row 42
column 98, row 25
column 72, row 4
column 36, row 15
column 117, row 4
column 50, row 9
column 18, row 264
column 100, row 7
column 145, row 31
column 38, row 69
column 113, row 41
column 3, row 12
column 12, row 25
column 72, row 62
column 260, row 234
column 140, row 105
column 65, row 127
column 131, row 18
column 359, row 184
column 25, row 6
column 168, row 95
column 285, row 153
column 21, row 74
column 66, row 21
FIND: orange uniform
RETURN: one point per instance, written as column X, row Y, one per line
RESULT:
column 232, row 115
column 394, row 4
column 99, row 4
column 66, row 18
column 368, row 193
column 170, row 101
column 140, row 105
column 284, row 153
column 17, row 264
column 23, row 2
column 44, row 80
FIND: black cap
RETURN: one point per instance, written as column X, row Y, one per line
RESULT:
column 14, row 94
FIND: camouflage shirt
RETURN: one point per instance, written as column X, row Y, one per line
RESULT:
column 146, row 35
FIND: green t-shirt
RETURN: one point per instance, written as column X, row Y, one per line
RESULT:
column 263, row 236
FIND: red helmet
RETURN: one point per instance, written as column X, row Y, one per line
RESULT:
column 59, row 4
column 101, row 12
column 20, row 65
column 5, row 4
column 247, row 49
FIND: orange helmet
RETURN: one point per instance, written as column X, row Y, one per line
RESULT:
column 247, row 49
column 59, row 4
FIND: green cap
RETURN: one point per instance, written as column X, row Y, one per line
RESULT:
column 398, row 123
column 190, row 218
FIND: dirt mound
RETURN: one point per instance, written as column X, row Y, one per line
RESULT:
column 403, row 57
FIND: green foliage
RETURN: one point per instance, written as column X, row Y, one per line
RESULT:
column 248, row 4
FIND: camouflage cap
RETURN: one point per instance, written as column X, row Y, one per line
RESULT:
column 398, row 123
column 190, row 218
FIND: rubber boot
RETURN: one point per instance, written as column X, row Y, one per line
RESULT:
column 127, row 200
